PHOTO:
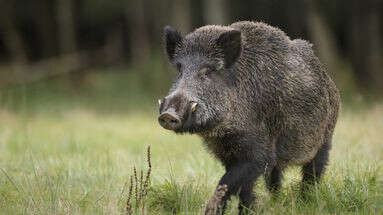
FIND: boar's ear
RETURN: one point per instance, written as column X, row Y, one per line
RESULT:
column 230, row 43
column 172, row 39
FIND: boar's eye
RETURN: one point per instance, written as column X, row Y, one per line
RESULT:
column 204, row 72
column 178, row 67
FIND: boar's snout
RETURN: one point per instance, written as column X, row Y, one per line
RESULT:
column 169, row 120
column 175, row 111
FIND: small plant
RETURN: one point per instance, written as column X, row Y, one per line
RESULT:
column 138, row 188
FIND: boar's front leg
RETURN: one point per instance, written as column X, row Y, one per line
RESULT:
column 238, row 179
column 246, row 158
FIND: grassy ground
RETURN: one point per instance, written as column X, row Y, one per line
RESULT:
column 76, row 160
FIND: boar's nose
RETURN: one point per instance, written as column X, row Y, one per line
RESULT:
column 169, row 120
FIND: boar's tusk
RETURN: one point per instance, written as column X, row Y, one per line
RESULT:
column 159, row 101
column 193, row 107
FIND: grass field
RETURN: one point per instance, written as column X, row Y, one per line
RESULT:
column 78, row 161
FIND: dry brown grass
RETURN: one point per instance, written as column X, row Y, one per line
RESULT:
column 140, row 187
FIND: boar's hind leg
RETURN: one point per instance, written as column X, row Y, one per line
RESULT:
column 246, row 197
column 313, row 170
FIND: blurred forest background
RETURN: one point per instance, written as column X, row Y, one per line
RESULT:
column 79, row 83
column 111, row 51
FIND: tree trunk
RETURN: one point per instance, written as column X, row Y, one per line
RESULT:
column 12, row 38
column 67, row 40
column 45, row 27
column 366, row 44
column 215, row 12
column 66, row 27
column 139, row 41
column 181, row 15
column 324, row 43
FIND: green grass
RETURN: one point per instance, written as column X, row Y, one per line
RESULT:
column 58, row 158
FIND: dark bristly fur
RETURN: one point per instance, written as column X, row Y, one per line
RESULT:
column 264, row 102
